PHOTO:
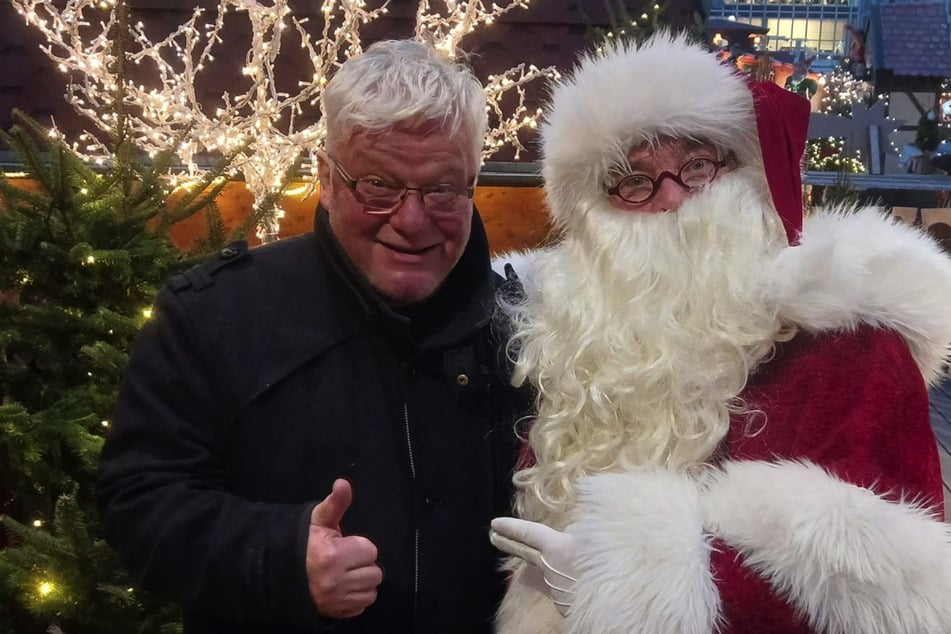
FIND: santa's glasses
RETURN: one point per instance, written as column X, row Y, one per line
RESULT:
column 640, row 188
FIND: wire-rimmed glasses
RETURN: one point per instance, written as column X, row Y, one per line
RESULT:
column 640, row 188
column 379, row 197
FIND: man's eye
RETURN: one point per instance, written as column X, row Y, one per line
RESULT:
column 638, row 180
column 699, row 164
column 442, row 188
column 377, row 183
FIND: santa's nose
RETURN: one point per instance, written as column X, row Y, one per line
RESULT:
column 669, row 196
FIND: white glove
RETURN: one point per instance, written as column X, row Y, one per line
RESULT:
column 553, row 552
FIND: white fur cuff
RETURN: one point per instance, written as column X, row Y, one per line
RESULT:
column 848, row 559
column 644, row 563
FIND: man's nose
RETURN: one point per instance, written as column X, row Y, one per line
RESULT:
column 670, row 195
column 410, row 213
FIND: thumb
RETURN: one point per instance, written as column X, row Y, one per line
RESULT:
column 329, row 512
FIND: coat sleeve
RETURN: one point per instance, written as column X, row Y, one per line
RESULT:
column 825, row 518
column 836, row 511
column 164, row 489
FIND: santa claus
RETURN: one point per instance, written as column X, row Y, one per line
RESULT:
column 732, row 430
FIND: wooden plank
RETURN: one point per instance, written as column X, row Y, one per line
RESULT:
column 918, row 182
column 526, row 174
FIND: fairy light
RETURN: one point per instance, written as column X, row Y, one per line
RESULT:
column 945, row 101
column 507, row 127
column 840, row 91
column 636, row 26
column 45, row 588
column 259, row 122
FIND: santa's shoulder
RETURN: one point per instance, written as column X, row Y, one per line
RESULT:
column 857, row 266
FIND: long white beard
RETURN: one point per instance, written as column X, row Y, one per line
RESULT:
column 639, row 332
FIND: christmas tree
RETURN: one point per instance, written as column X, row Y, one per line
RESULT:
column 81, row 258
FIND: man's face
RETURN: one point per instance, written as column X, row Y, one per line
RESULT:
column 681, row 158
column 407, row 254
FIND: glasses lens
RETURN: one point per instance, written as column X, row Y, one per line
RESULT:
column 635, row 188
column 444, row 199
column 373, row 193
column 698, row 172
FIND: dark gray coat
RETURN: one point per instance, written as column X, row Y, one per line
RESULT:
column 267, row 373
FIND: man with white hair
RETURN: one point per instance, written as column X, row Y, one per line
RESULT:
column 732, row 428
column 314, row 435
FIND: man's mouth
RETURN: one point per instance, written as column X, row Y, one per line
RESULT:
column 407, row 250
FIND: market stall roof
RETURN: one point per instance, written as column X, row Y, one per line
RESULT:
column 913, row 39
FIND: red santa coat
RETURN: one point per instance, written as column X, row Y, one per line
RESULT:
column 852, row 402
column 826, row 518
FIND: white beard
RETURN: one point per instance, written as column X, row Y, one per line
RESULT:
column 639, row 332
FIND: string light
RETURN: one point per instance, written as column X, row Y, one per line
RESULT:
column 840, row 91
column 259, row 125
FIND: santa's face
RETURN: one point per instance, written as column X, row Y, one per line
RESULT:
column 662, row 175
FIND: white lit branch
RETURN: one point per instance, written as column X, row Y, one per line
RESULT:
column 258, row 122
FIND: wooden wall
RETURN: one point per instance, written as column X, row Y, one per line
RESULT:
column 514, row 217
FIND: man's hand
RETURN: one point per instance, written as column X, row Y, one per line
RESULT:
column 553, row 552
column 341, row 571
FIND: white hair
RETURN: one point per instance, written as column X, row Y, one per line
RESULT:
column 397, row 82
column 639, row 332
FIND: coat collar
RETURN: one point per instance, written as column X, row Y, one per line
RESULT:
column 305, row 286
column 462, row 305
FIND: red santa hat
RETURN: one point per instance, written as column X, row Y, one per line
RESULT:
column 667, row 87
column 782, row 123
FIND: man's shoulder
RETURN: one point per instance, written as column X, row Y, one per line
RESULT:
column 240, row 266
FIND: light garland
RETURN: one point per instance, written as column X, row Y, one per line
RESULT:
column 258, row 126
column 840, row 91
column 945, row 103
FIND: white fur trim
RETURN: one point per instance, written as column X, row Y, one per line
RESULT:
column 527, row 606
column 865, row 267
column 846, row 558
column 615, row 100
column 644, row 561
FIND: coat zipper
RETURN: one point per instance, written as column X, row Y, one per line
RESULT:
column 412, row 470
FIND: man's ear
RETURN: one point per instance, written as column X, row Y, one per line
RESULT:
column 323, row 174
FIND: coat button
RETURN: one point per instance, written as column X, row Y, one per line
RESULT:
column 462, row 379
column 228, row 252
column 431, row 501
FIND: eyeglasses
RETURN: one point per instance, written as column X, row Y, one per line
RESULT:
column 639, row 188
column 381, row 198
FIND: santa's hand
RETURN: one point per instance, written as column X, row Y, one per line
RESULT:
column 553, row 552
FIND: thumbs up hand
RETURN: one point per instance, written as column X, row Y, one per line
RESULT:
column 341, row 571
